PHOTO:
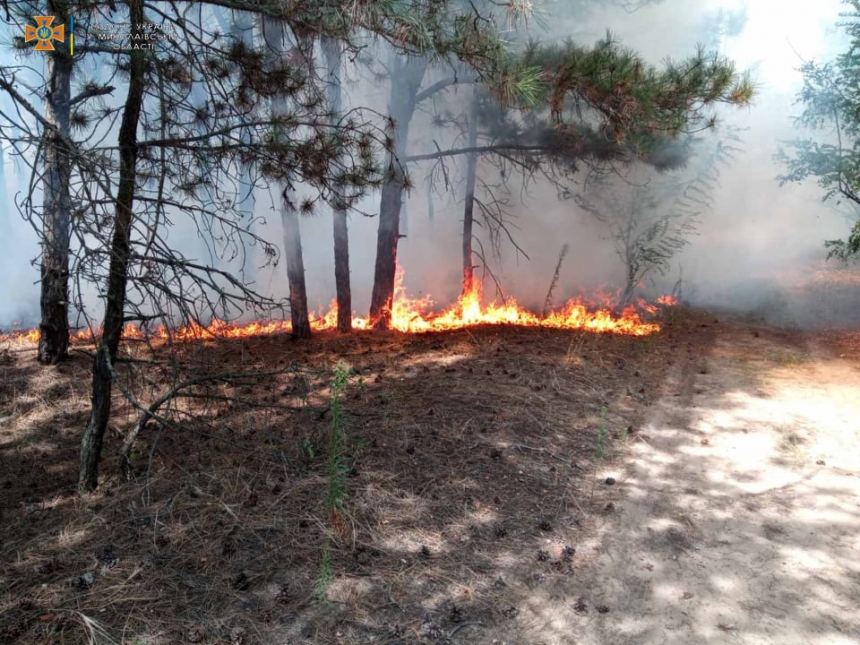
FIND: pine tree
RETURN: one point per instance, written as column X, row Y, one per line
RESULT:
column 194, row 119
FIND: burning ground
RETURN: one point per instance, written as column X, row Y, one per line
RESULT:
column 598, row 313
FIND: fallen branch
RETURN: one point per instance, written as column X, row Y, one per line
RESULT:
column 150, row 412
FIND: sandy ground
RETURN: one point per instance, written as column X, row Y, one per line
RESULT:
column 738, row 511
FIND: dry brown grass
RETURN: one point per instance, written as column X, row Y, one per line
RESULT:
column 473, row 476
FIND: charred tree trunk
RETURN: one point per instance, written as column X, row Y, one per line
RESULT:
column 387, row 237
column 120, row 253
column 274, row 37
column 331, row 49
column 469, row 207
column 57, row 211
column 406, row 77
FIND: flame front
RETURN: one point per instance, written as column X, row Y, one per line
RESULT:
column 415, row 315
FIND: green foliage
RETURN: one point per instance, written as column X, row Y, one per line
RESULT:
column 845, row 249
column 307, row 448
column 338, row 467
column 720, row 24
column 831, row 100
column 519, row 84
column 563, row 103
column 651, row 221
column 630, row 96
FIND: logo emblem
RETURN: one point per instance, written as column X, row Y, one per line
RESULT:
column 44, row 33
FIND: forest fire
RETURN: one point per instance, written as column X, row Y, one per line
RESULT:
column 416, row 315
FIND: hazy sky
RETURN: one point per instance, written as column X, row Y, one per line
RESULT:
column 778, row 32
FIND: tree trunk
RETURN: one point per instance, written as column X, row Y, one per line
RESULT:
column 469, row 207
column 331, row 49
column 274, row 37
column 295, row 265
column 57, row 211
column 114, row 317
column 341, row 272
column 406, row 77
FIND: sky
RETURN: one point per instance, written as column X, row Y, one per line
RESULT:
column 780, row 34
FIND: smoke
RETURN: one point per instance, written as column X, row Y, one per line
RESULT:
column 752, row 252
column 760, row 249
column 759, row 239
column 19, row 296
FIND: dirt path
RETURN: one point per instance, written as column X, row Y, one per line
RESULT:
column 739, row 512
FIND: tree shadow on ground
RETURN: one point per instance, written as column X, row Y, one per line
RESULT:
column 740, row 510
column 470, row 480
column 38, row 408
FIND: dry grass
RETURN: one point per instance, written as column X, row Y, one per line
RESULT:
column 471, row 482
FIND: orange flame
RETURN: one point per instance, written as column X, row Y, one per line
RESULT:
column 415, row 315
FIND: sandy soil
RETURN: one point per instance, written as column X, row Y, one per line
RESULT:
column 738, row 511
